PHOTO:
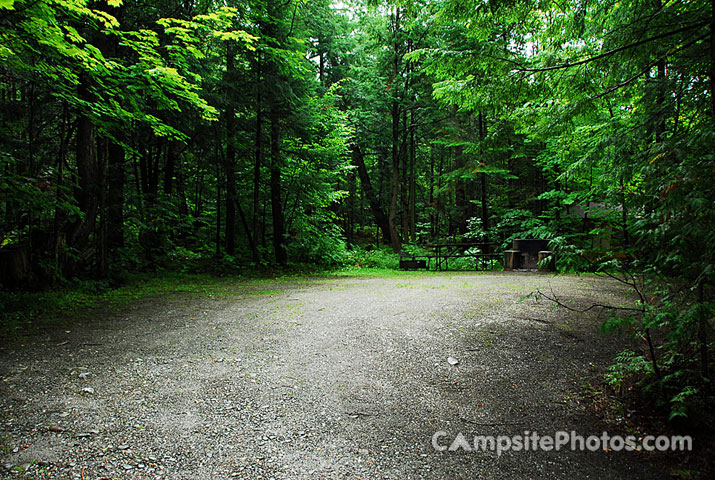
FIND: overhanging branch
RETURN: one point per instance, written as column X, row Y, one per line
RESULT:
column 615, row 50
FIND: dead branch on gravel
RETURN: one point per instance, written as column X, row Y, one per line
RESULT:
column 553, row 298
column 628, row 279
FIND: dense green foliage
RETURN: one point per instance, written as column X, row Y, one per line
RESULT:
column 215, row 136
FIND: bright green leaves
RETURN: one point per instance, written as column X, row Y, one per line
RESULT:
column 191, row 35
column 7, row 4
column 46, row 43
column 73, row 35
column 221, row 25
column 238, row 36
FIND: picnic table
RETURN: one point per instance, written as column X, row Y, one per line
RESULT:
column 444, row 251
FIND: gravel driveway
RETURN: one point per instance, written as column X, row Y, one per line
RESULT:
column 315, row 378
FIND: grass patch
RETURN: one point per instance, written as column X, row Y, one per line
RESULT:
column 25, row 314
column 28, row 313
column 265, row 292
column 383, row 272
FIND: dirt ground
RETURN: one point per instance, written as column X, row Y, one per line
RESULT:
column 318, row 378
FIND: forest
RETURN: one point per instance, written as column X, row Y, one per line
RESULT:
column 198, row 135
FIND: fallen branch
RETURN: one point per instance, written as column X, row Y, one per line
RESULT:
column 558, row 302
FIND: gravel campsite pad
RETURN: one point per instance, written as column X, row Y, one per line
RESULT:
column 334, row 377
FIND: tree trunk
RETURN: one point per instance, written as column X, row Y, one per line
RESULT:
column 258, row 161
column 31, row 97
column 244, row 222
column 350, row 216
column 154, row 172
column 87, row 192
column 89, row 183
column 485, row 205
column 149, row 169
column 173, row 155
column 60, row 216
column 395, row 240
column 460, row 195
column 102, row 250
column 113, row 157
column 321, row 67
column 230, row 157
column 433, row 216
column 115, row 194
column 15, row 266
column 377, row 212
column 404, row 182
column 483, row 177
column 181, row 192
column 142, row 173
column 218, row 205
column 276, row 194
column 440, row 171
column 230, row 230
column 413, row 181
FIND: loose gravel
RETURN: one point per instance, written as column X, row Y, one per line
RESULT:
column 340, row 378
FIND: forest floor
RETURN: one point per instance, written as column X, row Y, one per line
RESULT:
column 317, row 377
